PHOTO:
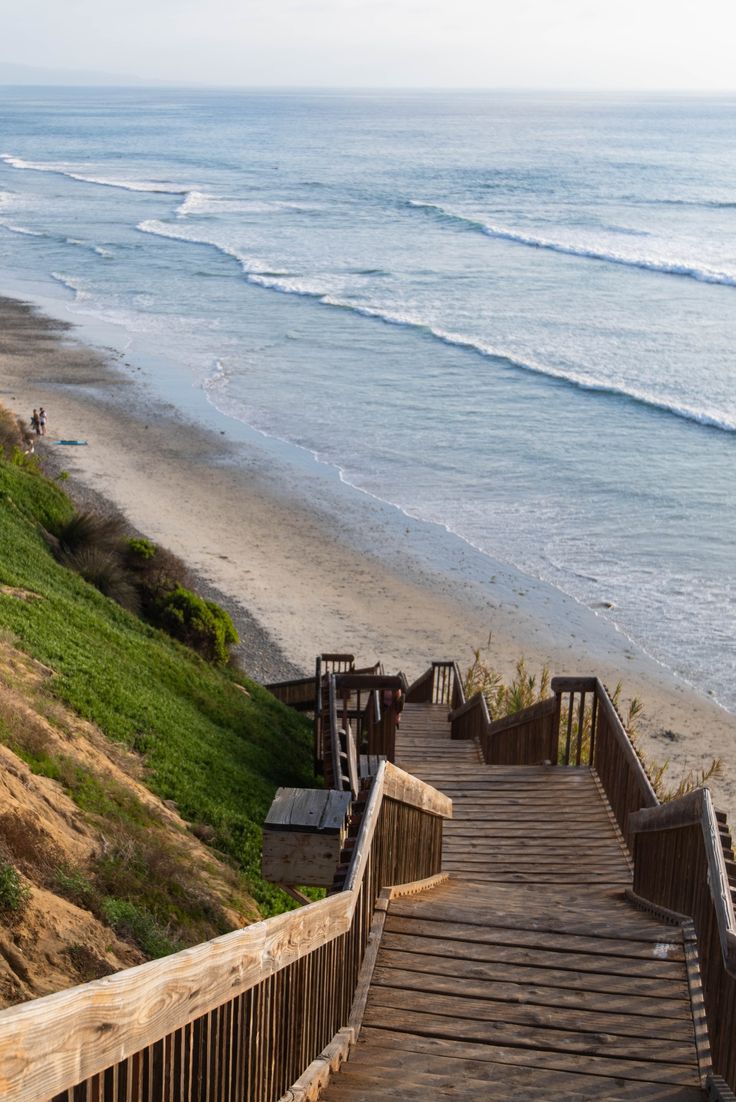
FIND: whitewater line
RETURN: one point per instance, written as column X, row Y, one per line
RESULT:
column 259, row 275
column 703, row 273
column 148, row 186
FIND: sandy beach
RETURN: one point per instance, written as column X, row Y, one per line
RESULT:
column 305, row 570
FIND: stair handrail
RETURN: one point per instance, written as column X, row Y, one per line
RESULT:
column 133, row 1030
column 685, row 835
column 471, row 720
column 441, row 683
column 421, row 689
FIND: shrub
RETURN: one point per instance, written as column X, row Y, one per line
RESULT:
column 72, row 883
column 140, row 926
column 503, row 700
column 14, row 892
column 12, row 434
column 157, row 571
column 201, row 624
column 85, row 529
column 26, row 460
column 104, row 569
column 140, row 550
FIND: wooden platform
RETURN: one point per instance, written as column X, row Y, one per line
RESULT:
column 528, row 974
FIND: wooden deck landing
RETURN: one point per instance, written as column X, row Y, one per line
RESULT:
column 527, row 975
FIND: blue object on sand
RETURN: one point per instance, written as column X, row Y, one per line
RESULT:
column 78, row 442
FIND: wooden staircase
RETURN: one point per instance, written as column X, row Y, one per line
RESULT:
column 528, row 974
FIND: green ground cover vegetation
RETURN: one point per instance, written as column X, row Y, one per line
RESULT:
column 213, row 741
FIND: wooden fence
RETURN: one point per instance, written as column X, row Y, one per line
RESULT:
column 442, row 683
column 237, row 1019
column 680, row 864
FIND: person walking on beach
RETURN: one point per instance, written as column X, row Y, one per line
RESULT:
column 42, row 420
column 36, row 422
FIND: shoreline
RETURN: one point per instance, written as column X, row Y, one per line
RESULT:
column 305, row 565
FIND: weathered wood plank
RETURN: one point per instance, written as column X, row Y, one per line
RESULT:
column 406, row 1085
column 399, row 785
column 540, row 958
column 513, row 972
column 568, row 921
column 637, row 1008
column 293, row 857
column 618, row 1066
column 601, row 946
column 476, row 1020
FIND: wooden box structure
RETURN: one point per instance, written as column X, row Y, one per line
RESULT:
column 303, row 836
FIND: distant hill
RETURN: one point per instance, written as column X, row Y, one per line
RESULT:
column 11, row 73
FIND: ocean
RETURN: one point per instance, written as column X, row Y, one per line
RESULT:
column 509, row 315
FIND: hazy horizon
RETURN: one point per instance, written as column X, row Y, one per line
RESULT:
column 576, row 45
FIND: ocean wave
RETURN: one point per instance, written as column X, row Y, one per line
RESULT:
column 199, row 203
column 151, row 186
column 218, row 377
column 12, row 228
column 60, row 239
column 292, row 283
column 72, row 284
column 703, row 273
column 157, row 228
column 667, row 201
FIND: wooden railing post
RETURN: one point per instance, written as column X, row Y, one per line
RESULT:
column 319, row 752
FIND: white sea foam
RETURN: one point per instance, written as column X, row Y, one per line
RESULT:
column 76, row 286
column 258, row 273
column 157, row 228
column 667, row 266
column 201, row 203
column 23, row 230
column 71, row 172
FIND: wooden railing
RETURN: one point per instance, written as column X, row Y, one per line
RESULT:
column 336, row 663
column 471, row 720
column 354, row 721
column 578, row 726
column 616, row 763
column 237, row 1019
column 378, row 727
column 679, row 864
column 528, row 736
column 325, row 665
column 442, row 683
column 299, row 693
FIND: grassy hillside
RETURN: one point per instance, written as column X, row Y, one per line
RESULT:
column 208, row 738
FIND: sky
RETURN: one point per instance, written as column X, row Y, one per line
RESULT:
column 637, row 44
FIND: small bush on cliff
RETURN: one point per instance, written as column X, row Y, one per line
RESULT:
column 202, row 625
column 102, row 568
column 12, row 434
column 156, row 570
column 14, row 892
column 140, row 926
column 86, row 530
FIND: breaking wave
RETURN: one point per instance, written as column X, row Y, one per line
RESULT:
column 703, row 273
column 291, row 283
